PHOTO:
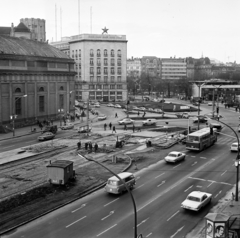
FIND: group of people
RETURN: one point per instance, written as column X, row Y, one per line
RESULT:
column 111, row 127
column 88, row 145
column 44, row 123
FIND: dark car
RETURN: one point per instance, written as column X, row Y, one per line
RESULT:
column 52, row 129
column 202, row 119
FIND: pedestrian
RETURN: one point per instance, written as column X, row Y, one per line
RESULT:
column 138, row 113
column 114, row 129
column 218, row 117
column 86, row 146
column 40, row 125
column 96, row 147
column 110, row 125
column 90, row 146
column 52, row 121
column 116, row 115
column 125, row 127
column 105, row 126
column 79, row 145
column 133, row 128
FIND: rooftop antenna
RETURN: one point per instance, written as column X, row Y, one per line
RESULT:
column 56, row 22
column 79, row 17
column 91, row 19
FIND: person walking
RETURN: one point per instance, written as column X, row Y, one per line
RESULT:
column 125, row 127
column 138, row 113
column 96, row 147
column 86, row 146
column 110, row 125
column 116, row 115
column 90, row 146
column 114, row 129
column 133, row 128
column 105, row 127
column 79, row 145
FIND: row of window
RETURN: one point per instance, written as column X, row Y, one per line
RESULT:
column 105, row 62
column 105, row 86
column 77, row 53
column 105, row 70
column 106, row 79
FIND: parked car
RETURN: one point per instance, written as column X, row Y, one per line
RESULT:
column 149, row 122
column 67, row 126
column 126, row 121
column 110, row 105
column 96, row 105
column 196, row 200
column 83, row 129
column 52, row 128
column 235, row 147
column 46, row 136
column 150, row 109
column 135, row 108
column 213, row 116
column 102, row 117
column 142, row 109
column 117, row 106
column 202, row 119
column 174, row 157
column 209, row 104
column 157, row 110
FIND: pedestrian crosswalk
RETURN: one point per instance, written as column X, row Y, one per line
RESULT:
column 226, row 140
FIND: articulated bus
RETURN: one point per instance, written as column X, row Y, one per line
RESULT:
column 201, row 140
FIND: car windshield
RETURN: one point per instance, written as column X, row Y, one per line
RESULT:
column 193, row 139
column 195, row 199
column 172, row 155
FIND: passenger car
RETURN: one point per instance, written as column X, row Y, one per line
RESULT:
column 234, row 146
column 142, row 109
column 110, row 105
column 211, row 115
column 97, row 105
column 67, row 126
column 157, row 110
column 149, row 122
column 202, row 119
column 46, row 136
column 52, row 128
column 117, row 106
column 126, row 121
column 102, row 117
column 174, row 157
column 83, row 129
column 209, row 104
column 196, row 200
column 150, row 109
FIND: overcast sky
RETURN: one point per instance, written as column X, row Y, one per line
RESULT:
column 162, row 28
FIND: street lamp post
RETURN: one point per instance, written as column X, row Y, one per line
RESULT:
column 60, row 112
column 199, row 87
column 14, row 116
column 70, row 93
column 129, row 191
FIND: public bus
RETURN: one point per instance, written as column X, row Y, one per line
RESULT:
column 201, row 139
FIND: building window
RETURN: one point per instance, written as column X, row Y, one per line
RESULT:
column 119, row 86
column 119, row 62
column 105, row 86
column 41, row 103
column 61, row 101
column 76, row 54
column 112, row 62
column 98, row 78
column 119, row 78
column 91, row 53
column 91, row 86
column 98, row 70
column 105, row 79
column 105, row 70
column 91, row 70
column 79, row 54
column 18, row 90
column 91, row 61
column 112, row 53
column 119, row 71
column 105, row 53
column 98, row 53
column 99, row 86
column 91, row 79
column 41, row 89
column 105, row 62
column 73, row 54
column 119, row 53
column 61, row 88
column 112, row 86
column 112, row 71
column 18, row 106
column 112, row 78
column 98, row 62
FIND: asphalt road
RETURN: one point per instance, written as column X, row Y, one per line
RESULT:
column 159, row 191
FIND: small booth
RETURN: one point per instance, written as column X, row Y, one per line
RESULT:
column 60, row 171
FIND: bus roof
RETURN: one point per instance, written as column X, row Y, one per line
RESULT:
column 201, row 132
column 121, row 175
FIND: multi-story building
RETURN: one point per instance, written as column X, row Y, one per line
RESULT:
column 29, row 28
column 100, row 63
column 134, row 67
column 173, row 68
column 36, row 81
column 151, row 66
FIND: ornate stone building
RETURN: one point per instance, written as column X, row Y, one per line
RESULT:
column 36, row 80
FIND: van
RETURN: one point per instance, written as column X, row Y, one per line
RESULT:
column 217, row 126
column 52, row 129
column 115, row 186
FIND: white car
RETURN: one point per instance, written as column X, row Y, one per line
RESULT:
column 135, row 108
column 110, row 105
column 234, row 147
column 142, row 109
column 117, row 106
column 209, row 104
column 150, row 109
column 196, row 200
column 96, row 105
column 157, row 110
column 149, row 122
column 174, row 157
column 67, row 126
column 126, row 121
column 102, row 117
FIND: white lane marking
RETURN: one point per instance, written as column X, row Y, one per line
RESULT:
column 197, row 178
column 173, row 215
column 110, row 213
column 159, row 175
column 176, row 232
column 139, row 187
column 76, row 221
column 198, row 186
column 203, row 158
column 83, row 205
column 148, row 234
column 176, row 166
column 161, row 183
column 188, row 188
column 141, row 222
column 210, row 183
column 138, row 178
column 194, row 163
column 223, row 172
column 218, row 193
column 193, row 156
column 227, row 183
column 9, row 146
column 111, row 202
column 106, row 230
